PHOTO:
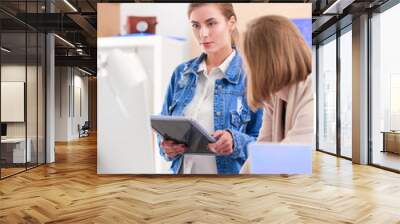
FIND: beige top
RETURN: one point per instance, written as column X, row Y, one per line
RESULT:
column 289, row 118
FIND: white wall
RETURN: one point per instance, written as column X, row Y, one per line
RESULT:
column 172, row 18
column 61, row 103
column 80, row 82
column 18, row 73
column 12, row 73
column 68, row 80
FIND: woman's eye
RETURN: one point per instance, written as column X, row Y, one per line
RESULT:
column 211, row 23
column 196, row 26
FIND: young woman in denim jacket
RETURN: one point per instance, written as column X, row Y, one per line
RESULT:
column 211, row 90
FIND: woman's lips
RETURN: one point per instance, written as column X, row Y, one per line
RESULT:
column 206, row 44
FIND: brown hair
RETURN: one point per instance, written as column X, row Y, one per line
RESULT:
column 276, row 56
column 226, row 10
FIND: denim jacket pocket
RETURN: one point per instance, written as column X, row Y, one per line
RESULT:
column 235, row 119
column 245, row 116
column 238, row 120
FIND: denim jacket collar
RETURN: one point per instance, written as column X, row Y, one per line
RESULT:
column 232, row 74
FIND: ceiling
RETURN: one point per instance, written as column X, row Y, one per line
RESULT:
column 331, row 15
column 76, row 20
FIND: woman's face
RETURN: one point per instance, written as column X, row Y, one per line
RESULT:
column 211, row 29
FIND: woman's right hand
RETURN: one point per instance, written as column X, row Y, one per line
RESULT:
column 172, row 149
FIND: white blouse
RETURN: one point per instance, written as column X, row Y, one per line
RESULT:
column 201, row 109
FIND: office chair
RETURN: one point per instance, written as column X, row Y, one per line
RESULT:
column 84, row 130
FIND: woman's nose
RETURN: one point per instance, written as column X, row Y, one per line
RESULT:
column 204, row 32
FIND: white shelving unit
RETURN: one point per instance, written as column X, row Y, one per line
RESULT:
column 160, row 56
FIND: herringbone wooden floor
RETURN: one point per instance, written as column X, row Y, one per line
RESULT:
column 70, row 191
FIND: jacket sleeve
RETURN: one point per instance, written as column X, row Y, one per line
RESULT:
column 166, row 110
column 241, row 140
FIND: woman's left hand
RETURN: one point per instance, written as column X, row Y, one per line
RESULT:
column 224, row 144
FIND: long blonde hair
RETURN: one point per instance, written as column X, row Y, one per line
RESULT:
column 227, row 11
column 276, row 56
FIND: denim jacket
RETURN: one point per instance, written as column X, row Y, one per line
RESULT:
column 231, row 111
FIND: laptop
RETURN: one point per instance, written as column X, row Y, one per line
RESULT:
column 267, row 158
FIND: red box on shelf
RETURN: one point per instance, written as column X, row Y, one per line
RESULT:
column 141, row 24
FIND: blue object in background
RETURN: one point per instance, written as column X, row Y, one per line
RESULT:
column 305, row 27
column 135, row 35
column 280, row 158
column 149, row 34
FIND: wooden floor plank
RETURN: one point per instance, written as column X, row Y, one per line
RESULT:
column 70, row 191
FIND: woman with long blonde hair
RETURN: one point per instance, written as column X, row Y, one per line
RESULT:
column 278, row 64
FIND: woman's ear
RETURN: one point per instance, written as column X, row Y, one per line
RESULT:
column 232, row 23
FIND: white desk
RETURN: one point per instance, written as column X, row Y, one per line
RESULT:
column 19, row 149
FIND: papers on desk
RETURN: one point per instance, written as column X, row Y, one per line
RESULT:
column 280, row 158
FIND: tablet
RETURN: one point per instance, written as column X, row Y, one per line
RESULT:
column 184, row 131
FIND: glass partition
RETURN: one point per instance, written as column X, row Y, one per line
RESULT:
column 22, row 77
column 385, row 89
column 13, row 103
column 327, row 96
column 346, row 93
column 31, row 100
